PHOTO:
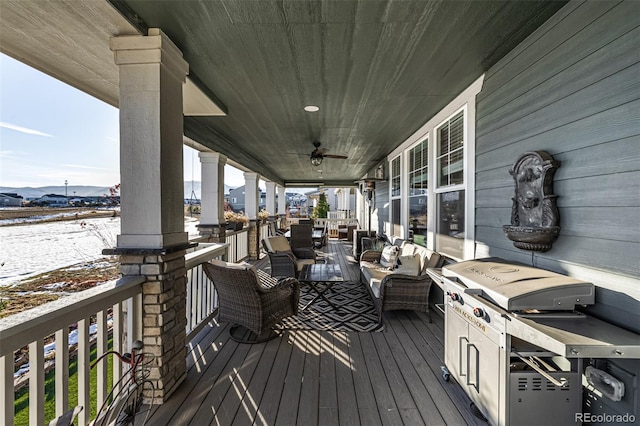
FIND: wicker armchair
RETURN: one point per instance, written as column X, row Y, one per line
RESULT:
column 251, row 300
column 302, row 236
column 286, row 262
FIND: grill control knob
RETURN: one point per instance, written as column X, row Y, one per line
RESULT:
column 454, row 296
column 478, row 312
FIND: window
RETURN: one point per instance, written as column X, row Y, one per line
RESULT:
column 395, row 197
column 395, row 177
column 418, row 186
column 451, row 151
column 450, row 201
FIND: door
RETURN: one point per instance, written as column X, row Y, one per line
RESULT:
column 483, row 373
column 456, row 340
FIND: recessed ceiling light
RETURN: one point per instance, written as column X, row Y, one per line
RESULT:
column 311, row 108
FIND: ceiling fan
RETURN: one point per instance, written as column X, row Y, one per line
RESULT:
column 319, row 154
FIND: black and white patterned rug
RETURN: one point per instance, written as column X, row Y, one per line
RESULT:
column 355, row 310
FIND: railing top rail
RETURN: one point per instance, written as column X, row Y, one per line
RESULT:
column 204, row 255
column 21, row 329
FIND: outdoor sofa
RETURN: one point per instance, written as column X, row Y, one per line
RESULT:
column 397, row 278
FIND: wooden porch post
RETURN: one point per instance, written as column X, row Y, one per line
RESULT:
column 271, row 197
column 282, row 201
column 212, row 222
column 251, row 210
column 152, row 241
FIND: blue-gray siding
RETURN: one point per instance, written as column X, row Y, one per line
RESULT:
column 573, row 90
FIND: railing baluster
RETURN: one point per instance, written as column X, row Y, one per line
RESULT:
column 83, row 371
column 36, row 383
column 102, row 345
column 201, row 294
column 116, row 332
column 62, row 371
column 6, row 400
column 189, row 299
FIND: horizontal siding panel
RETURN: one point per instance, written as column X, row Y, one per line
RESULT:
column 621, row 88
column 499, row 177
column 493, row 217
column 605, row 223
column 539, row 93
column 617, row 190
column 494, row 197
column 568, row 22
column 593, row 222
column 494, row 238
column 607, row 255
column 616, row 123
column 618, row 156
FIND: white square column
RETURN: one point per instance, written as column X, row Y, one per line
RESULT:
column 152, row 72
column 251, row 195
column 282, row 201
column 271, row 197
column 212, row 203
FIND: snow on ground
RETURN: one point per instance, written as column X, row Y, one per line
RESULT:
column 27, row 250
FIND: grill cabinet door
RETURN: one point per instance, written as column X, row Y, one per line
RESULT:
column 474, row 361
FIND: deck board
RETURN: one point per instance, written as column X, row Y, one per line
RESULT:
column 320, row 377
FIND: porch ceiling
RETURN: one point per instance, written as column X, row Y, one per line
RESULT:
column 378, row 70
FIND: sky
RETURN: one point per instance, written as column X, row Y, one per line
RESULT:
column 51, row 132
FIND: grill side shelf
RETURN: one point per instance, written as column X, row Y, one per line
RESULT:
column 586, row 337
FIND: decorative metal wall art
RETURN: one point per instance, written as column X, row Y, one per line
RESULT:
column 534, row 213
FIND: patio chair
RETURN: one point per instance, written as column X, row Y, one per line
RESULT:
column 301, row 236
column 273, row 230
column 286, row 262
column 251, row 301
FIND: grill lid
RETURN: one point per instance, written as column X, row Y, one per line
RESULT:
column 516, row 287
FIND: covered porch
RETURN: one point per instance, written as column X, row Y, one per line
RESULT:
column 394, row 82
column 311, row 377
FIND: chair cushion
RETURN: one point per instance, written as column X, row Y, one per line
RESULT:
column 407, row 249
column 408, row 265
column 277, row 244
column 240, row 266
column 374, row 277
column 388, row 256
column 301, row 262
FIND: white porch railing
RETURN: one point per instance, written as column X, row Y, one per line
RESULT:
column 99, row 314
column 238, row 245
column 32, row 327
column 202, row 299
column 264, row 231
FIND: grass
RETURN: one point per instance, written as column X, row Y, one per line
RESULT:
column 22, row 396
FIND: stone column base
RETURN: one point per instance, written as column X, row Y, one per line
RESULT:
column 163, row 312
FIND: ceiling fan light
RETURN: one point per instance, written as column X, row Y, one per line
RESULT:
column 316, row 160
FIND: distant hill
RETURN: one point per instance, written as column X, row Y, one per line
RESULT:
column 29, row 193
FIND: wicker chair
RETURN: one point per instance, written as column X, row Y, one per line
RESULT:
column 302, row 236
column 251, row 300
column 286, row 262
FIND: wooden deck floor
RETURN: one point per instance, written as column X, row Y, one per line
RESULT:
column 320, row 378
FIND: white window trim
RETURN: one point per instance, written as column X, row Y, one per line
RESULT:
column 405, row 200
column 466, row 99
column 400, row 197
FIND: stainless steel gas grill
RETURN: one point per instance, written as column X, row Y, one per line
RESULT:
column 515, row 343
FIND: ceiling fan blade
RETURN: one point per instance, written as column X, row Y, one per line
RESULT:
column 343, row 157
